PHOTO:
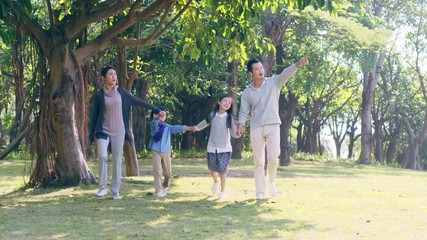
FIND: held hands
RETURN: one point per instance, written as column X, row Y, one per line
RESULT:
column 239, row 131
column 191, row 129
column 302, row 62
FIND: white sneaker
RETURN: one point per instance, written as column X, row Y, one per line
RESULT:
column 102, row 192
column 260, row 196
column 116, row 196
column 222, row 195
column 165, row 190
column 215, row 187
column 273, row 191
column 161, row 194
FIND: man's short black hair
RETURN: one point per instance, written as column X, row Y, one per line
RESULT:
column 250, row 63
column 105, row 69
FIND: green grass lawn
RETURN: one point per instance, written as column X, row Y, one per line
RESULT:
column 317, row 201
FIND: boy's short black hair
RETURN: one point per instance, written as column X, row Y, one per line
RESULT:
column 152, row 112
column 250, row 63
column 105, row 69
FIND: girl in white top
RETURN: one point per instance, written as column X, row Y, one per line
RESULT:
column 219, row 148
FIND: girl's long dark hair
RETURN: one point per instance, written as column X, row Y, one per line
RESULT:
column 216, row 109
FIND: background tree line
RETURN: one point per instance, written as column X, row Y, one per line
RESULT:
column 365, row 85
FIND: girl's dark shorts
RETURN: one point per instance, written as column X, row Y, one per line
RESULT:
column 218, row 162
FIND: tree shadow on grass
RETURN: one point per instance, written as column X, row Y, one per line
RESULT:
column 140, row 216
column 207, row 219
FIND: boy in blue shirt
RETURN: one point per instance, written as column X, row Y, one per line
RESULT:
column 160, row 145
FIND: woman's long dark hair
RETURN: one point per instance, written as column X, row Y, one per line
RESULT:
column 216, row 109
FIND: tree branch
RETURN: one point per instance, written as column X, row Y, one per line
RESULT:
column 28, row 25
column 105, row 39
column 89, row 13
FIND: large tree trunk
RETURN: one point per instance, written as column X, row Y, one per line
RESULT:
column 366, row 134
column 131, row 160
column 59, row 105
column 370, row 80
column 233, row 78
column 140, row 118
column 129, row 151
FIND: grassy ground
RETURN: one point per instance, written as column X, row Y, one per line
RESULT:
column 317, row 201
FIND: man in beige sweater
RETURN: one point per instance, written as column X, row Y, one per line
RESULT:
column 260, row 100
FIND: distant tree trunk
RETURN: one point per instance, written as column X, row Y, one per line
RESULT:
column 352, row 137
column 339, row 130
column 187, row 119
column 287, row 108
column 27, row 124
column 287, row 113
column 379, row 141
column 370, row 80
column 395, row 131
column 391, row 151
column 233, row 78
column 351, row 141
column 412, row 158
column 311, row 121
column 69, row 163
column 317, row 122
column 129, row 151
column 200, row 139
column 338, row 145
column 300, row 136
